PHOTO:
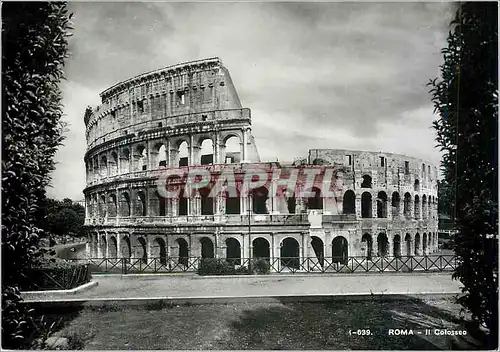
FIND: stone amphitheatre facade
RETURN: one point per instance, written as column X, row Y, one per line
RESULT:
column 190, row 115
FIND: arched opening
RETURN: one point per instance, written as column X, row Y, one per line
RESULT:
column 367, row 182
column 366, row 205
column 259, row 199
column 207, row 152
column 231, row 151
column 429, row 243
column 367, row 239
column 114, row 163
column 416, row 186
column 397, row 246
column 95, row 207
column 141, row 204
column 291, row 204
column 260, row 248
column 183, row 154
column 141, row 250
column 183, row 205
column 159, row 250
column 381, row 205
column 161, row 159
column 207, row 248
column 290, row 253
column 125, row 204
column 339, row 250
column 104, row 166
column 396, row 205
column 349, row 202
column 113, row 247
column 183, row 253
column 408, row 245
column 233, row 205
column 417, row 207
column 407, row 206
column 424, row 244
column 161, row 205
column 207, row 202
column 318, row 248
column 113, row 207
column 430, row 204
column 417, row 244
column 126, row 249
column 125, row 161
column 382, row 244
column 316, row 201
column 104, row 247
column 142, row 158
column 424, row 207
column 233, row 251
column 103, row 206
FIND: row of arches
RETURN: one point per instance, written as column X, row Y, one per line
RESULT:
column 123, row 205
column 367, row 183
column 290, row 250
column 424, row 210
column 203, row 152
column 412, row 246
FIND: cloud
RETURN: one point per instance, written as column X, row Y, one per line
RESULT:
column 332, row 75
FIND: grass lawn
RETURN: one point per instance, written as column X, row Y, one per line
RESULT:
column 265, row 326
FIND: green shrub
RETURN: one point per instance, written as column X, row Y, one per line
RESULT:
column 213, row 266
column 57, row 275
column 242, row 270
column 260, row 266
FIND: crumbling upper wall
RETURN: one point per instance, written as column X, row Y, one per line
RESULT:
column 390, row 169
column 169, row 93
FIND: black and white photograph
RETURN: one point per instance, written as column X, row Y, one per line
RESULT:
column 249, row 175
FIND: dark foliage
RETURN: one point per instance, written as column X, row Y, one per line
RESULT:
column 62, row 218
column 466, row 98
column 34, row 47
column 56, row 275
column 213, row 266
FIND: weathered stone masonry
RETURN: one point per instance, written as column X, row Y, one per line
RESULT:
column 387, row 204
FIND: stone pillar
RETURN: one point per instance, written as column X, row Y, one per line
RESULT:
column 191, row 150
column 99, row 251
column 244, row 148
column 217, row 158
column 149, row 156
column 374, row 204
column 358, row 206
column 390, row 245
column 168, row 153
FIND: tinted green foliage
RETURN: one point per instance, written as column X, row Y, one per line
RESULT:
column 57, row 275
column 62, row 217
column 213, row 266
column 34, row 47
column 466, row 97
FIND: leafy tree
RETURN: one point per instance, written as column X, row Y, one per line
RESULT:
column 466, row 98
column 63, row 218
column 34, row 38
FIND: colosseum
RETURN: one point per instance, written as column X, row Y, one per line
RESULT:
column 189, row 117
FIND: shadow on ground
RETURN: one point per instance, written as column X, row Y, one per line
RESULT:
column 326, row 326
column 280, row 325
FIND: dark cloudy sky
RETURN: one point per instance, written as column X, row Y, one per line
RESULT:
column 315, row 75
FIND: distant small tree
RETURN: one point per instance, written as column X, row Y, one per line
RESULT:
column 61, row 218
column 466, row 98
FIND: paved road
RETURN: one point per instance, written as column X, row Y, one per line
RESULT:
column 152, row 286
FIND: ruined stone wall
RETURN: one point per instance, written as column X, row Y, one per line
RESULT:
column 139, row 131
